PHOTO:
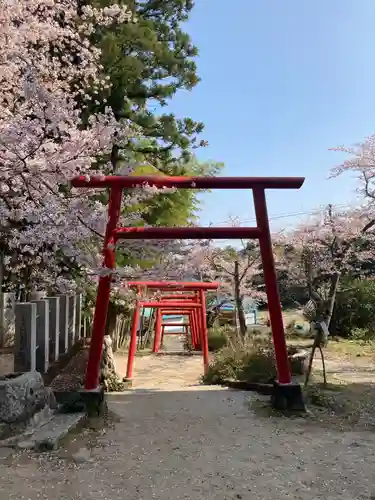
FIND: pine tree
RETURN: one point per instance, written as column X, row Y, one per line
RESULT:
column 147, row 63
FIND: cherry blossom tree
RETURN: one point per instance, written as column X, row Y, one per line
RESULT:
column 315, row 255
column 237, row 270
column 49, row 69
column 361, row 163
column 319, row 251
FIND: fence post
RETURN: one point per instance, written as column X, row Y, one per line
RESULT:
column 42, row 335
column 78, row 325
column 2, row 320
column 71, row 320
column 25, row 337
column 54, row 328
column 64, row 324
column 34, row 296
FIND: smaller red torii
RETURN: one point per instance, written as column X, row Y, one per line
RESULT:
column 194, row 327
column 194, row 304
column 174, row 285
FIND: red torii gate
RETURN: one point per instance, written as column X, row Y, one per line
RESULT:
column 194, row 304
column 198, row 288
column 193, row 326
column 158, row 305
column 286, row 393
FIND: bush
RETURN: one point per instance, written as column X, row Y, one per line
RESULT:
column 362, row 334
column 354, row 313
column 217, row 338
column 249, row 361
column 259, row 366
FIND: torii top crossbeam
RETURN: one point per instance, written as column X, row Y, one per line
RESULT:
column 189, row 182
column 174, row 285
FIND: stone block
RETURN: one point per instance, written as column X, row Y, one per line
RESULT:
column 42, row 335
column 25, row 337
column 78, row 325
column 54, row 328
column 64, row 324
column 21, row 395
column 71, row 321
column 7, row 319
column 40, row 295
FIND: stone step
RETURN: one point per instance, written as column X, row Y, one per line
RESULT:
column 45, row 431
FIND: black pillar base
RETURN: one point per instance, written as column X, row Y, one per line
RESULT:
column 90, row 402
column 287, row 397
column 128, row 382
column 94, row 401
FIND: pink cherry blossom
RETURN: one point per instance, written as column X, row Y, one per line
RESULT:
column 49, row 231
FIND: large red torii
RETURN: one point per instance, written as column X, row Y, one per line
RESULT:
column 286, row 393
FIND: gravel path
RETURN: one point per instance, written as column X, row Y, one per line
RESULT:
column 175, row 440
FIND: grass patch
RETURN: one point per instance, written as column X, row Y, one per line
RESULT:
column 339, row 348
column 344, row 348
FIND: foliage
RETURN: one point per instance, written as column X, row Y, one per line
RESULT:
column 178, row 208
column 361, row 162
column 354, row 313
column 320, row 252
column 147, row 63
column 237, row 271
column 49, row 232
column 250, row 361
column 59, row 118
column 217, row 338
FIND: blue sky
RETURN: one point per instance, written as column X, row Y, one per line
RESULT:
column 282, row 81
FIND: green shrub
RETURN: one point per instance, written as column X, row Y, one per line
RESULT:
column 217, row 338
column 249, row 361
column 354, row 312
column 258, row 365
column 363, row 334
column 225, row 366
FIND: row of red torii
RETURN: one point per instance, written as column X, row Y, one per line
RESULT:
column 191, row 305
column 286, row 393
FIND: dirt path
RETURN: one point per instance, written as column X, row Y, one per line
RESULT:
column 355, row 370
column 172, row 439
column 164, row 372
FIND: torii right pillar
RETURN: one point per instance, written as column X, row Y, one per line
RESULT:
column 286, row 393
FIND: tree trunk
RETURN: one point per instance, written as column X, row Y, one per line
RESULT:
column 238, row 301
column 324, row 316
column 332, row 297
